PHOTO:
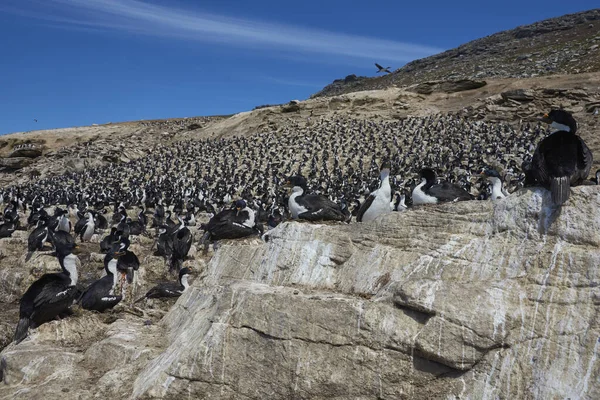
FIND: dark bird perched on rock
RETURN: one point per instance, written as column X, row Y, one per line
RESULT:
column 562, row 159
column 311, row 207
column 235, row 223
column 169, row 289
column 49, row 296
column 428, row 192
column 100, row 295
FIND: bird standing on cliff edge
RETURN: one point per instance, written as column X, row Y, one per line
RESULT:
column 562, row 159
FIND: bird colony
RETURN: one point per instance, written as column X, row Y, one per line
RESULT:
column 340, row 170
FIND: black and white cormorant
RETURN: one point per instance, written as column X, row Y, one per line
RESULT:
column 234, row 223
column 100, row 295
column 49, row 296
column 127, row 263
column 37, row 238
column 562, row 159
column 108, row 240
column 378, row 202
column 182, row 242
column 399, row 202
column 87, row 231
column 169, row 289
column 311, row 207
column 64, row 224
column 428, row 192
column 494, row 178
column 7, row 229
column 164, row 244
column 596, row 178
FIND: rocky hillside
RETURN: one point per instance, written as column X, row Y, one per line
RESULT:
column 485, row 300
column 566, row 45
column 35, row 154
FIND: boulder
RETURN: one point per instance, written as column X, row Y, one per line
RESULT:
column 15, row 162
column 31, row 152
column 520, row 95
column 446, row 86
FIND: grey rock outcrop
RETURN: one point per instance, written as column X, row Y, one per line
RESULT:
column 473, row 300
column 30, row 152
column 15, row 162
column 446, row 86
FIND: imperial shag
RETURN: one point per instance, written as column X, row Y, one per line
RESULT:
column 378, row 202
column 100, row 295
column 169, row 289
column 494, row 178
column 49, row 296
column 428, row 192
column 562, row 159
column 311, row 207
column 234, row 223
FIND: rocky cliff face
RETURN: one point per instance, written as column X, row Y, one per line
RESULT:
column 468, row 300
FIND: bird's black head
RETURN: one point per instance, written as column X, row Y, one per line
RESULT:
column 428, row 174
column 240, row 204
column 561, row 117
column 296, row 180
column 185, row 271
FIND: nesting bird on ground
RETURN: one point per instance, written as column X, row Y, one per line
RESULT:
column 235, row 223
column 428, row 192
column 100, row 295
column 169, row 289
column 378, row 202
column 494, row 178
column 49, row 296
column 562, row 159
column 311, row 207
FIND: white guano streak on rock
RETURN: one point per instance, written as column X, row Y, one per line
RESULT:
column 555, row 252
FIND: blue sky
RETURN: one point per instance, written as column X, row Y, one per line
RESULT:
column 79, row 62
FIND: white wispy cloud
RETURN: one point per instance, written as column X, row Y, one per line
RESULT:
column 143, row 17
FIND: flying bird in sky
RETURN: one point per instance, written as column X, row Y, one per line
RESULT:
column 381, row 69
